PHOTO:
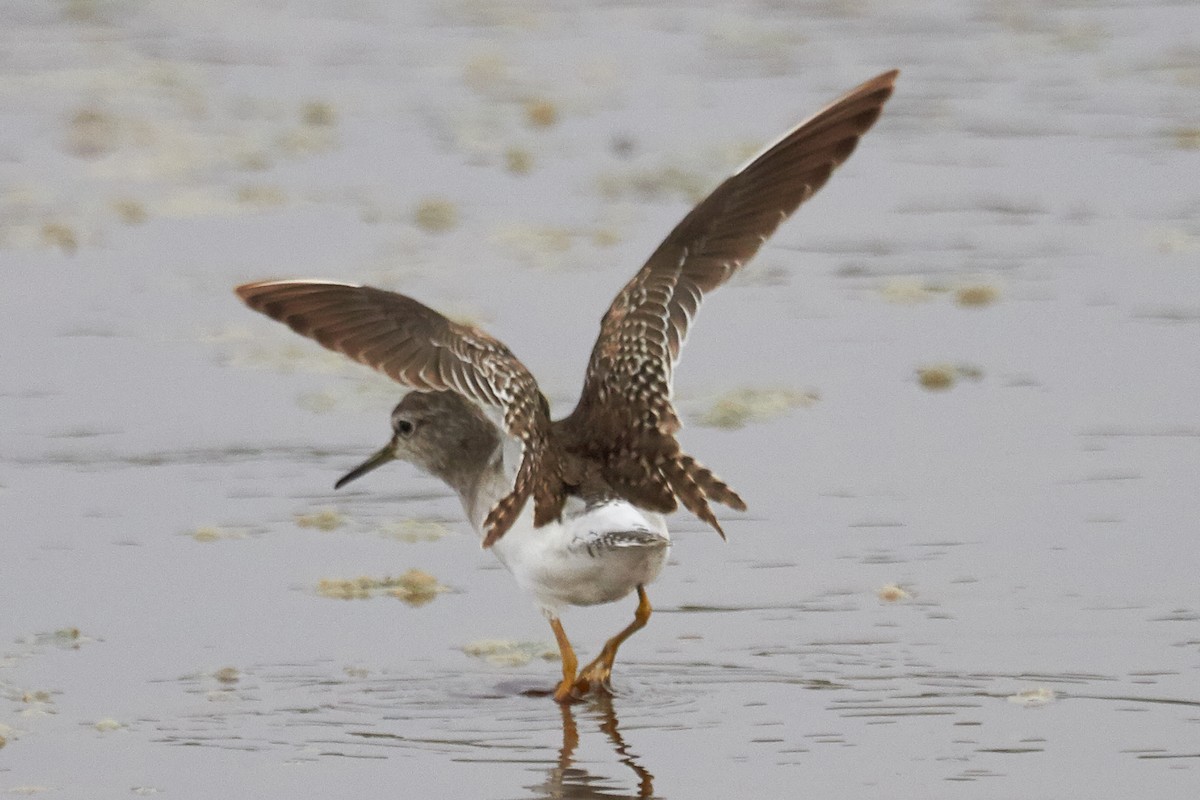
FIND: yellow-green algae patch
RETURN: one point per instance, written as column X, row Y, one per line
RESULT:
column 936, row 378
column 318, row 114
column 70, row 635
column 906, row 290
column 415, row 530
column 1186, row 138
column 540, row 112
column 92, row 132
column 260, row 196
column 893, row 593
column 518, row 160
column 69, row 638
column 211, row 533
column 130, row 211
column 436, row 215
column 325, row 519
column 414, row 587
column 740, row 407
column 315, row 134
column 227, row 675
column 60, row 235
column 940, row 377
column 981, row 294
column 37, row 703
column 510, row 653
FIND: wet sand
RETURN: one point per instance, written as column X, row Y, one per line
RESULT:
column 957, row 390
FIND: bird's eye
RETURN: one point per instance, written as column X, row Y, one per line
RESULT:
column 405, row 427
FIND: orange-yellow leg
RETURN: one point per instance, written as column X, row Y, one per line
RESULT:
column 596, row 674
column 569, row 662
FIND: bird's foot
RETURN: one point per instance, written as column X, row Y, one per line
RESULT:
column 565, row 692
column 595, row 677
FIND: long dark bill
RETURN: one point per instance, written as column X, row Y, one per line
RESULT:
column 378, row 460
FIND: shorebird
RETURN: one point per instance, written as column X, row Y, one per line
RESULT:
column 574, row 507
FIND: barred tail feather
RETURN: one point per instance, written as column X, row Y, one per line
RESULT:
column 690, row 492
column 712, row 486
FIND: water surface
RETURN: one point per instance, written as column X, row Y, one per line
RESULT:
column 987, row 590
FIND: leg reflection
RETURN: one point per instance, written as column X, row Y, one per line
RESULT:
column 567, row 780
column 611, row 728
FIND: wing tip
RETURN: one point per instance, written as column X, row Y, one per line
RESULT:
column 248, row 291
column 884, row 80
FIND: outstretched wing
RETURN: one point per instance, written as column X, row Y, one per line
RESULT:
column 625, row 406
column 418, row 347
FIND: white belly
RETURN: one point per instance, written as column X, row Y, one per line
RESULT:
column 596, row 554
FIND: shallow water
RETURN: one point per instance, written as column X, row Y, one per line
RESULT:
column 983, row 591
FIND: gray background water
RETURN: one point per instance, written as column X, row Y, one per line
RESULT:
column 161, row 626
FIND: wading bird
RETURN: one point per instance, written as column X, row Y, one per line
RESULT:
column 574, row 507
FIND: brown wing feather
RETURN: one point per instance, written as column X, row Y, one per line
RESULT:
column 625, row 418
column 418, row 347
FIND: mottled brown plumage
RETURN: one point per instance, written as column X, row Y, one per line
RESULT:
column 625, row 419
column 620, row 438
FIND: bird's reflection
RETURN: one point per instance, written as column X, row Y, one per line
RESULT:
column 567, row 781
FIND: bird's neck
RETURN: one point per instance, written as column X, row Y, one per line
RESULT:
column 462, row 464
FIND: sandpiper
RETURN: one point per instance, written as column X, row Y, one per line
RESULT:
column 601, row 478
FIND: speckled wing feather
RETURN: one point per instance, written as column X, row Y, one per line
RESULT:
column 625, row 418
column 418, row 347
